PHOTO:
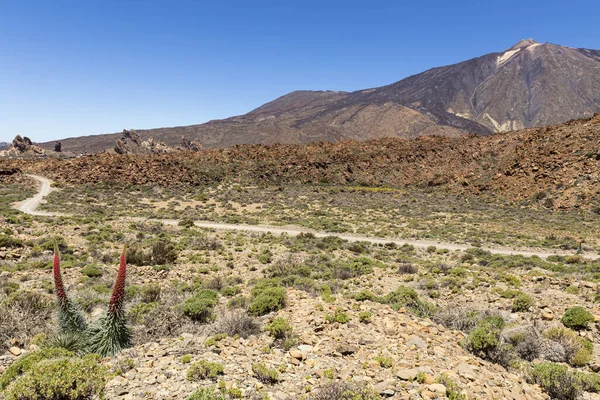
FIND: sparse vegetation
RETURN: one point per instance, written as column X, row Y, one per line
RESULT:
column 204, row 370
column 577, row 318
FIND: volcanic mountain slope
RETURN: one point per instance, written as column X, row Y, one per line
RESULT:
column 530, row 84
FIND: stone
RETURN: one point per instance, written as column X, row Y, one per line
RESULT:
column 417, row 342
column 407, row 374
column 547, row 315
column 305, row 348
column 437, row 388
column 346, row 349
column 15, row 351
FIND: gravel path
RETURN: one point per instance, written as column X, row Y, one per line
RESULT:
column 30, row 205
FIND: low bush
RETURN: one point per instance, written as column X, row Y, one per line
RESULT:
column 204, row 370
column 237, row 323
column 485, row 341
column 91, row 271
column 461, row 319
column 407, row 297
column 279, row 328
column 22, row 315
column 206, row 394
column 407, row 268
column 150, row 293
column 344, row 391
column 556, row 380
column 522, row 302
column 10, row 241
column 384, row 362
column 577, row 350
column 339, row 316
column 162, row 252
column 577, row 318
column 61, row 378
column 266, row 300
column 199, row 307
column 365, row 317
column 266, row 375
column 24, row 363
column 364, row 295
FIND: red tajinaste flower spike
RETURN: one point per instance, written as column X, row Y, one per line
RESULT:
column 61, row 295
column 116, row 301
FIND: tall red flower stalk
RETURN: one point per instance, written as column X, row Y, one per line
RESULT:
column 118, row 295
column 70, row 318
column 111, row 334
column 61, row 295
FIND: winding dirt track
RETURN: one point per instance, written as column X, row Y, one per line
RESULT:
column 30, row 205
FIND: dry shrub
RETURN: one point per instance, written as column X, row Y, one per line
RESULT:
column 237, row 323
column 22, row 315
column 166, row 320
column 344, row 391
column 407, row 268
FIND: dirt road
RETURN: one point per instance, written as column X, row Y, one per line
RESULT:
column 30, row 205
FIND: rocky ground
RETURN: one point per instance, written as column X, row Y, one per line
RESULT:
column 556, row 166
column 400, row 320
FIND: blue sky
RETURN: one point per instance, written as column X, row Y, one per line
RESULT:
column 70, row 68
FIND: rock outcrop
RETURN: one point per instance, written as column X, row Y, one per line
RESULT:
column 22, row 147
column 131, row 143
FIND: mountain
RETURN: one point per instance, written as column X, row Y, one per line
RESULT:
column 530, row 84
column 4, row 145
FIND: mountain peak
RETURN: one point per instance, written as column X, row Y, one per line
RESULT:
column 523, row 43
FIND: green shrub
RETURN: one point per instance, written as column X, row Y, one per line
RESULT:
column 279, row 328
column 384, row 362
column 150, row 293
column 572, row 290
column 91, row 271
column 204, row 370
column 339, row 316
column 577, row 318
column 61, row 378
column 355, row 267
column 230, row 291
column 10, row 241
column 268, row 376
column 205, row 394
column 24, row 363
column 484, row 339
column 522, row 302
column 186, row 359
column 212, row 341
column 365, row 317
column 267, row 300
column 8, row 288
column 589, row 382
column 364, row 295
column 137, row 312
column 453, row 391
column 200, row 307
column 407, row 297
column 556, row 380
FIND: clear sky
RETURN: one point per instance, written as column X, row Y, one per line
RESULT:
column 71, row 68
